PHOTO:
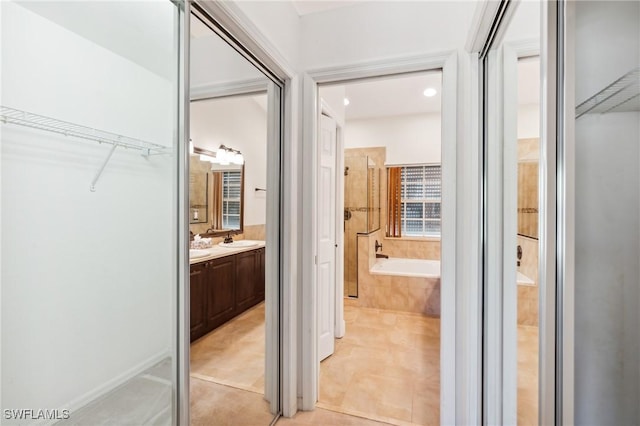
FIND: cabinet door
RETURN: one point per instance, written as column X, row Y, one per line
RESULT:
column 260, row 281
column 220, row 291
column 198, row 301
column 245, row 280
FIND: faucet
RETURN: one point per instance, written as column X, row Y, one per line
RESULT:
column 228, row 239
column 381, row 256
column 519, row 254
column 378, row 246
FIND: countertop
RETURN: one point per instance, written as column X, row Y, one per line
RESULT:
column 218, row 251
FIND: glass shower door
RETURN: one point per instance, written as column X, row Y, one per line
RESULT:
column 89, row 199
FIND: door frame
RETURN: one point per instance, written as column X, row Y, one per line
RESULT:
column 282, row 201
column 446, row 61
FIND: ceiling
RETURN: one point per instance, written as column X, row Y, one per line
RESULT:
column 393, row 96
column 375, row 98
column 306, row 7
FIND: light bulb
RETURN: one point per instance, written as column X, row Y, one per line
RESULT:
column 430, row 92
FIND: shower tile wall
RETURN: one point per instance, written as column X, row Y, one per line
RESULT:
column 405, row 248
column 355, row 202
column 528, row 160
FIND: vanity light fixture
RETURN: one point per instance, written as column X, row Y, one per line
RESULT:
column 204, row 157
column 430, row 92
column 346, row 101
column 226, row 155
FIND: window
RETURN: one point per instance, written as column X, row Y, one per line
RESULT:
column 415, row 194
column 231, row 194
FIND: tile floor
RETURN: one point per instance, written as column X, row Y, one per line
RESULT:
column 233, row 354
column 227, row 373
column 386, row 368
column 527, row 375
column 362, row 383
column 220, row 405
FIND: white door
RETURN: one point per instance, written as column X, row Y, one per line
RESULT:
column 326, row 214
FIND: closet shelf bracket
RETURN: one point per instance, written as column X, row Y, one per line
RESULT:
column 104, row 164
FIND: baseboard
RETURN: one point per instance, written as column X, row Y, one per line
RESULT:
column 99, row 391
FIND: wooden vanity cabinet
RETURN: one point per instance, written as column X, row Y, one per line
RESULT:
column 260, row 281
column 246, row 277
column 223, row 288
column 198, row 312
column 220, row 297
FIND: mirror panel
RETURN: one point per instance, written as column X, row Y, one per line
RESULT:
column 216, row 195
column 528, row 164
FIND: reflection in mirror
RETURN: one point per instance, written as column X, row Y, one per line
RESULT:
column 524, row 118
column 528, row 164
column 230, row 101
column 215, row 194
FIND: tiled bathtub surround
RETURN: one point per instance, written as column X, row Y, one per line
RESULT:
column 528, row 295
column 404, row 294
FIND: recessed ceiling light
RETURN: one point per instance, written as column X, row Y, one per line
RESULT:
column 346, row 101
column 430, row 92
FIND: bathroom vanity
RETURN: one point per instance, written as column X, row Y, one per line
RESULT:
column 225, row 282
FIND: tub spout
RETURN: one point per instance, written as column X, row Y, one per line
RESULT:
column 381, row 256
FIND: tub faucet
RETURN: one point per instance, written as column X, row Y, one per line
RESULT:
column 378, row 246
column 381, row 256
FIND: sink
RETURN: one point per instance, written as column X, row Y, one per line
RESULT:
column 195, row 253
column 239, row 244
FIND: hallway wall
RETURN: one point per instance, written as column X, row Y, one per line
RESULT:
column 369, row 31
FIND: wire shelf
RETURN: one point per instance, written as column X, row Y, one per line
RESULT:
column 35, row 121
column 620, row 96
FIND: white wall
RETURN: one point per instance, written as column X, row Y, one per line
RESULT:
column 607, row 251
column 369, row 31
column 87, row 277
column 409, row 139
column 280, row 24
column 607, row 243
column 609, row 30
column 208, row 53
column 239, row 123
column 333, row 96
column 528, row 121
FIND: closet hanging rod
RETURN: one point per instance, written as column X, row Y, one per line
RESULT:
column 22, row 118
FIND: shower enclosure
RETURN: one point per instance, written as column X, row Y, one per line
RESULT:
column 361, row 212
column 90, row 226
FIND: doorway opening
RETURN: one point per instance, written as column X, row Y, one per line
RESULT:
column 385, row 288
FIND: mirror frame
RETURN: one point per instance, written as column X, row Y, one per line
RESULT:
column 219, row 233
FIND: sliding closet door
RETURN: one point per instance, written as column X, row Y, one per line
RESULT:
column 89, row 166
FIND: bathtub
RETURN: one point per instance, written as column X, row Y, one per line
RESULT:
column 402, row 267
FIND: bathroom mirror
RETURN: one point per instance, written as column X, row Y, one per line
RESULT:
column 216, row 196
